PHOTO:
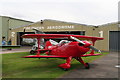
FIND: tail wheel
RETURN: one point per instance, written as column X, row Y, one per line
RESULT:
column 88, row 66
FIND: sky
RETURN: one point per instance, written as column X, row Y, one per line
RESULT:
column 89, row 12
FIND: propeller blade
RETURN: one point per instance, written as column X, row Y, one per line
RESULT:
column 91, row 47
column 77, row 40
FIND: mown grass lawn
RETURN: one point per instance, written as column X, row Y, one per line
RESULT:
column 16, row 67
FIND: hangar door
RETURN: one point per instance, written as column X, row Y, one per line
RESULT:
column 20, row 39
column 114, row 37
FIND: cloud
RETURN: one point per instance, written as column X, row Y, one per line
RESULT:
column 93, row 12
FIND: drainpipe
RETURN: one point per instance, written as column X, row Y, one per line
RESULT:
column 8, row 30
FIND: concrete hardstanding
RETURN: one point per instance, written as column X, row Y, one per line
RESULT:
column 103, row 67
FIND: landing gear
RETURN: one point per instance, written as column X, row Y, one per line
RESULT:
column 65, row 69
column 88, row 66
column 32, row 52
column 66, row 66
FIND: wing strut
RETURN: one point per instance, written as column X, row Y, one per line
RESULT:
column 38, row 51
column 93, row 42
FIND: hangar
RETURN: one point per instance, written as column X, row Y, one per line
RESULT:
column 109, row 32
column 9, row 23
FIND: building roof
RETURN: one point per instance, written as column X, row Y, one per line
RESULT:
column 69, row 22
column 109, row 24
column 55, row 21
column 17, row 19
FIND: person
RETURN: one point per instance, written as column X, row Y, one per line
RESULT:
column 9, row 42
column 3, row 41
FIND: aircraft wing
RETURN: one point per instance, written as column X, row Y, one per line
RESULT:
column 55, row 56
column 44, row 56
column 87, row 55
column 52, row 36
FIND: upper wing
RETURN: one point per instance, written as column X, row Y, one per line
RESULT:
column 51, row 36
column 44, row 56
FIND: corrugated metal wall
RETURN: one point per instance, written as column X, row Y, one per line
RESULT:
column 114, row 44
column 9, row 23
column 0, row 30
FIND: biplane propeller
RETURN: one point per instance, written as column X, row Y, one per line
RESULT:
column 82, row 43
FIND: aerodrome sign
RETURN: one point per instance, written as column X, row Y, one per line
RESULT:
column 60, row 27
column 50, row 27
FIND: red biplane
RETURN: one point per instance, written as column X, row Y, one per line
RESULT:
column 74, row 47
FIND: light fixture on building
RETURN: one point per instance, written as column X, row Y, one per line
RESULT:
column 10, row 29
column 96, row 26
column 41, row 22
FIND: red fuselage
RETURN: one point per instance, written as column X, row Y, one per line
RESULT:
column 69, row 49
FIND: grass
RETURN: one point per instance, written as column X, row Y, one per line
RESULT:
column 16, row 67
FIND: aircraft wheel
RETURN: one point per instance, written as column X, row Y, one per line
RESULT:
column 88, row 66
column 32, row 52
column 65, row 69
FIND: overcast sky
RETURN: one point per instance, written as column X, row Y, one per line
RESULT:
column 90, row 12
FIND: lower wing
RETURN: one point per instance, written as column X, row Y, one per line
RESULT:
column 44, row 56
column 86, row 55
